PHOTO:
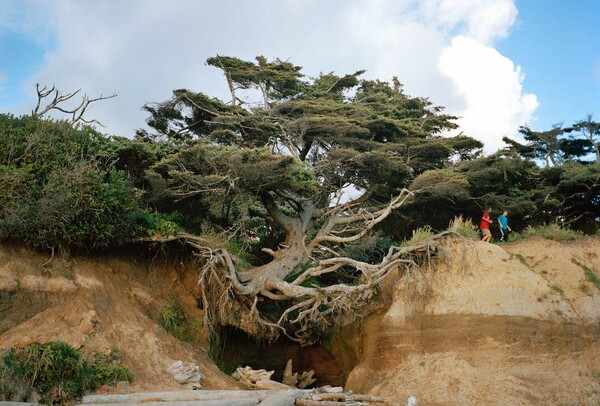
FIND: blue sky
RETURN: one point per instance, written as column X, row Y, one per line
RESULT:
column 20, row 57
column 557, row 43
column 497, row 64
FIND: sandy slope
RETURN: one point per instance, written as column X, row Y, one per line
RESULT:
column 504, row 324
column 492, row 324
column 102, row 303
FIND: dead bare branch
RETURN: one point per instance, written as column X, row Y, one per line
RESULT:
column 57, row 103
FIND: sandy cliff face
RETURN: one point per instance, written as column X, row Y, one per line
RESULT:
column 491, row 324
column 514, row 324
column 99, row 304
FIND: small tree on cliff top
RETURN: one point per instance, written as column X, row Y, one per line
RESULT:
column 293, row 154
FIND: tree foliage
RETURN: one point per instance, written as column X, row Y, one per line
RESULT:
column 566, row 190
column 560, row 144
column 567, row 194
column 59, row 188
column 587, row 131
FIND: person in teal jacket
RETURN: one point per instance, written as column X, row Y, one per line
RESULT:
column 504, row 228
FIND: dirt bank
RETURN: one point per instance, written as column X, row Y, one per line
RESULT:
column 504, row 324
column 491, row 324
column 96, row 303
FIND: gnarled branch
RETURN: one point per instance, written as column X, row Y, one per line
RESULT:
column 369, row 219
column 58, row 100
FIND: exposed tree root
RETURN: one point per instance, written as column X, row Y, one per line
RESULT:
column 282, row 296
column 275, row 306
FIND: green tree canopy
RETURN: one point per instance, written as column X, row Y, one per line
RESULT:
column 560, row 144
column 587, row 133
column 59, row 186
column 288, row 164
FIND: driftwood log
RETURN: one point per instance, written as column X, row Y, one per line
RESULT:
column 261, row 378
column 339, row 399
column 304, row 380
column 258, row 379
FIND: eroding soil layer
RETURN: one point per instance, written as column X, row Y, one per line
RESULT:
column 99, row 303
column 510, row 324
column 489, row 324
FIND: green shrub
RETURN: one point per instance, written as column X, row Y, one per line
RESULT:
column 19, row 191
column 176, row 322
column 108, row 368
column 463, row 227
column 85, row 207
column 149, row 223
column 45, row 145
column 550, row 232
column 78, row 207
column 57, row 372
column 59, row 188
column 419, row 234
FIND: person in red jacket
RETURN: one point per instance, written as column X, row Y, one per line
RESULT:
column 484, row 225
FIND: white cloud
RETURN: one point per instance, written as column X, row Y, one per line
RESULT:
column 492, row 88
column 35, row 18
column 393, row 42
column 481, row 20
column 142, row 50
column 464, row 73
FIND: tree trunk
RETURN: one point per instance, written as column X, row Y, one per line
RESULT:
column 284, row 262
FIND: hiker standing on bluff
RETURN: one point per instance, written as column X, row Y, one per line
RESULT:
column 504, row 228
column 484, row 225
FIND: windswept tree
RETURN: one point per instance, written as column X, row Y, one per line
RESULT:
column 559, row 144
column 567, row 190
column 588, row 132
column 322, row 162
column 543, row 145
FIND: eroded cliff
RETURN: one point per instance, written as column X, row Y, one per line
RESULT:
column 489, row 324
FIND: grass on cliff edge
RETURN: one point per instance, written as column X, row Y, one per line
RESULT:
column 548, row 231
column 464, row 227
column 56, row 372
column 458, row 225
